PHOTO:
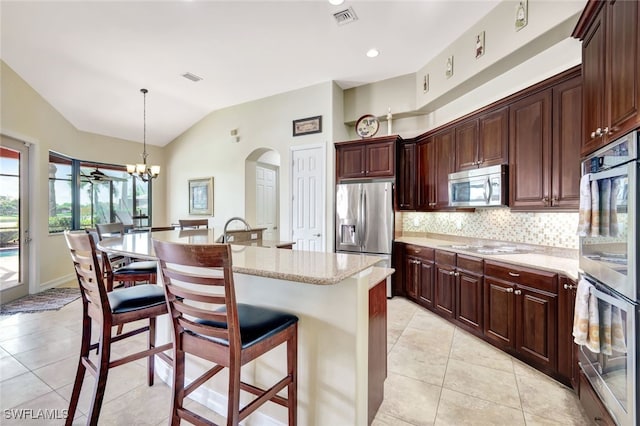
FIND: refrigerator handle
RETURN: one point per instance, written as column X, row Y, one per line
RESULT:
column 364, row 218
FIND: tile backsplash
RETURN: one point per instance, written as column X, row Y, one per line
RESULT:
column 546, row 229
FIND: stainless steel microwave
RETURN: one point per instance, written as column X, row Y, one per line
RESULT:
column 483, row 187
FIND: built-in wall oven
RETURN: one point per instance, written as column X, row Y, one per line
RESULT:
column 608, row 260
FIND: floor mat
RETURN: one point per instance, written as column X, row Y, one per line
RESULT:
column 48, row 300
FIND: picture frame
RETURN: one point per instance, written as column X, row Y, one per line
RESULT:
column 479, row 44
column 522, row 14
column 449, row 67
column 307, row 126
column 201, row 196
column 425, row 83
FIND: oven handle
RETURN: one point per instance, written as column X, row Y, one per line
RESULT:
column 616, row 171
column 609, row 299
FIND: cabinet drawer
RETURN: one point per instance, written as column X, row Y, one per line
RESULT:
column 470, row 264
column 445, row 258
column 425, row 253
column 541, row 280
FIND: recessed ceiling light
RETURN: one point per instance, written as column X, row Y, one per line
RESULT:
column 336, row 2
column 372, row 53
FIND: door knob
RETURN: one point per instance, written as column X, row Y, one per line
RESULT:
column 509, row 290
column 317, row 235
column 517, row 292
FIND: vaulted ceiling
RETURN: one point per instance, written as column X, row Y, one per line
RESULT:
column 89, row 59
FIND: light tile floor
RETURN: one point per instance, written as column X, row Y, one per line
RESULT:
column 438, row 374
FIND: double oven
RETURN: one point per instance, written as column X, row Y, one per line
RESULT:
column 608, row 260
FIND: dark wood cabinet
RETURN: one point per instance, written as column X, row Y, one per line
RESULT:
column 530, row 151
column 483, row 141
column 373, row 158
column 425, row 172
column 377, row 346
column 493, row 138
column 466, row 145
column 566, row 143
column 520, row 312
column 445, row 284
column 443, row 165
column 469, row 294
column 398, row 263
column 419, row 267
column 611, row 70
column 544, row 148
column 406, row 177
column 567, row 350
column 593, row 406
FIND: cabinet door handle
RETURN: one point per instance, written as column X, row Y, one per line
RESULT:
column 605, row 131
column 517, row 292
column 513, row 274
column 569, row 287
column 457, row 274
column 509, row 290
column 598, row 132
column 452, row 272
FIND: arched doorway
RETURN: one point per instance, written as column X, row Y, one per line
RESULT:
column 262, row 192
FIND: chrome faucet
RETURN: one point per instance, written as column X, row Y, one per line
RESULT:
column 224, row 232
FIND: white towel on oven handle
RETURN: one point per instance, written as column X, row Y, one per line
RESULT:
column 581, row 312
column 618, row 342
column 584, row 214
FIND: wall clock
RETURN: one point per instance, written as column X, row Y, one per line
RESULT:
column 367, row 126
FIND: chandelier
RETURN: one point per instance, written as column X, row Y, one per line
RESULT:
column 143, row 171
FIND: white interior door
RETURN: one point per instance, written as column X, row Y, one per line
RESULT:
column 308, row 198
column 14, row 219
column 267, row 201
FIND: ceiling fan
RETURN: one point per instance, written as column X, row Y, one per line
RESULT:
column 99, row 176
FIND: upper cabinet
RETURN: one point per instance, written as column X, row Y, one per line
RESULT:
column 611, row 70
column 435, row 160
column 483, row 141
column 406, row 176
column 370, row 158
column 544, row 151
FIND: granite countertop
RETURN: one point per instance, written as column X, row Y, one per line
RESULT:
column 264, row 243
column 307, row 267
column 562, row 261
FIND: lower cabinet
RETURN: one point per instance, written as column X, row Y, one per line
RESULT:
column 520, row 312
column 445, row 285
column 377, row 346
column 567, row 350
column 419, row 272
column 469, row 285
column 593, row 406
column 523, row 311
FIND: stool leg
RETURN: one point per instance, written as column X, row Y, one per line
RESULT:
column 292, row 370
column 104, row 349
column 77, row 385
column 233, row 404
column 178, row 385
column 152, row 344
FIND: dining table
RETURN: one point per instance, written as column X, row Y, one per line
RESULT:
column 328, row 292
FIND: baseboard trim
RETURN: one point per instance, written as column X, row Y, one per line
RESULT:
column 57, row 282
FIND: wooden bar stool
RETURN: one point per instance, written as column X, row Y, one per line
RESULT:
column 193, row 223
column 109, row 309
column 126, row 271
column 230, row 335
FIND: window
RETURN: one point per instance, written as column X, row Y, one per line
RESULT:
column 82, row 194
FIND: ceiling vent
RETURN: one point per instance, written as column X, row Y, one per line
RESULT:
column 191, row 77
column 345, row 16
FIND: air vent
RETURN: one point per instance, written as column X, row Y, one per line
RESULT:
column 191, row 77
column 345, row 16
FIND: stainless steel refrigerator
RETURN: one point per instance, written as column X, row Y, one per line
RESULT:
column 364, row 220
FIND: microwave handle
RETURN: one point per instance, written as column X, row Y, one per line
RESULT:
column 487, row 190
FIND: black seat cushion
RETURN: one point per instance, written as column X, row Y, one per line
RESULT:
column 256, row 323
column 145, row 267
column 134, row 298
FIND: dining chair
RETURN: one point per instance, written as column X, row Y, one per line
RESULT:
column 193, row 223
column 126, row 271
column 208, row 323
column 109, row 309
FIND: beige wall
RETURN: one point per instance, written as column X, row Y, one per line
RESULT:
column 26, row 116
column 207, row 150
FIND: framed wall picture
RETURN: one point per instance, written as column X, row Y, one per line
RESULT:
column 307, row 126
column 449, row 68
column 201, row 196
column 522, row 14
column 479, row 44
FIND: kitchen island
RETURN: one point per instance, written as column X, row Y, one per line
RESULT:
column 330, row 295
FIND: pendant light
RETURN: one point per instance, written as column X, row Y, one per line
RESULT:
column 143, row 171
